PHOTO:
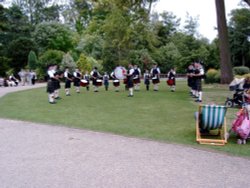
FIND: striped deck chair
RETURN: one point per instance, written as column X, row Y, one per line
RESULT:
column 211, row 117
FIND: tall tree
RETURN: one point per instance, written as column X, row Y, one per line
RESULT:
column 225, row 59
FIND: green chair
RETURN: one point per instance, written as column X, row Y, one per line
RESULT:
column 211, row 117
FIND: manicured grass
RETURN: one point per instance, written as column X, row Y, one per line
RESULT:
column 163, row 115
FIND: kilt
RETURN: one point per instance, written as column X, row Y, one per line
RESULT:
column 130, row 83
column 50, row 87
column 67, row 84
column 77, row 82
column 198, row 85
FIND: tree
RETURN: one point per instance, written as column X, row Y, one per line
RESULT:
column 225, row 62
column 18, row 51
column 32, row 60
column 68, row 61
column 52, row 35
column 239, row 27
column 83, row 64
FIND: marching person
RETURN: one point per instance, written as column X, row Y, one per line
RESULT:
column 190, row 79
column 77, row 79
column 51, row 84
column 130, row 83
column 137, row 77
column 171, row 78
column 198, row 76
column 155, row 72
column 116, row 82
column 106, row 81
column 146, row 77
column 95, row 76
column 68, row 79
column 87, row 78
column 57, row 86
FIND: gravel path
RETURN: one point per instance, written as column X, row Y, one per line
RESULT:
column 39, row 156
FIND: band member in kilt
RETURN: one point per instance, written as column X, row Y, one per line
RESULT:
column 116, row 82
column 198, row 76
column 146, row 77
column 77, row 79
column 95, row 75
column 171, row 78
column 106, row 81
column 155, row 72
column 130, row 82
column 51, row 84
column 190, row 79
column 68, row 79
column 87, row 78
column 137, row 77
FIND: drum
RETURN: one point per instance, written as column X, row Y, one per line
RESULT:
column 116, row 83
column 98, row 82
column 170, row 82
column 84, row 83
column 155, row 80
column 120, row 72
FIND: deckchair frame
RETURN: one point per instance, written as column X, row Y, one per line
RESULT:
column 221, row 132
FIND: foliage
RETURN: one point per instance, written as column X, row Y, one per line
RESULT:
column 18, row 51
column 4, row 64
column 241, row 70
column 52, row 35
column 32, row 60
column 83, row 64
column 68, row 61
column 212, row 76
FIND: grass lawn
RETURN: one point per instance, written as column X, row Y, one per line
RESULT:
column 163, row 115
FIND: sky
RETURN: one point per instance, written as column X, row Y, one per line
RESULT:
column 205, row 9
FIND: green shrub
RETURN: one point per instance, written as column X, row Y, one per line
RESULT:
column 241, row 70
column 212, row 76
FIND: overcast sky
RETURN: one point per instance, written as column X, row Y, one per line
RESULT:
column 205, row 9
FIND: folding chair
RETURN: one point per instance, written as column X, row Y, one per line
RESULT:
column 211, row 117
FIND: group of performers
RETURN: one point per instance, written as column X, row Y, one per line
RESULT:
column 195, row 74
column 130, row 77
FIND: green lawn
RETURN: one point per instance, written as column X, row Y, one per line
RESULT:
column 163, row 115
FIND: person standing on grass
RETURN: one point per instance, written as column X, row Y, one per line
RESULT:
column 130, row 83
column 95, row 76
column 116, row 82
column 198, row 76
column 171, row 77
column 33, row 77
column 155, row 72
column 77, row 79
column 106, row 81
column 68, row 79
column 190, row 79
column 87, row 78
column 146, row 77
column 51, row 84
column 137, row 77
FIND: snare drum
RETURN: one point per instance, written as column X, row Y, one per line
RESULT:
column 116, row 83
column 84, row 83
column 98, row 82
column 155, row 80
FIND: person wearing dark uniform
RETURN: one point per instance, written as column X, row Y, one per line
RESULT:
column 106, row 81
column 146, row 77
column 95, row 75
column 51, row 84
column 77, row 79
column 137, row 77
column 155, row 72
column 130, row 82
column 68, row 79
column 171, row 77
column 190, row 79
column 116, row 82
column 198, row 76
column 87, row 78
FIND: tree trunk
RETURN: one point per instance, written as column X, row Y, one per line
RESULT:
column 225, row 61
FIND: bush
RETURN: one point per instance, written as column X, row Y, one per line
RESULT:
column 241, row 70
column 212, row 76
